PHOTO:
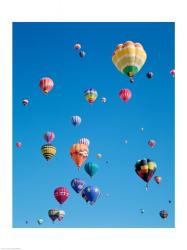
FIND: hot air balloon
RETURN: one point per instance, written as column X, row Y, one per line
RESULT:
column 125, row 94
column 90, row 95
column 149, row 75
column 46, row 84
column 48, row 151
column 172, row 72
column 142, row 129
column 142, row 211
column 91, row 168
column 158, row 179
column 129, row 58
column 18, row 144
column 26, row 222
column 99, row 155
column 79, row 153
column 40, row 221
column 61, row 194
column 103, row 99
column 77, row 46
column 61, row 215
column 152, row 143
column 49, row 136
column 76, row 120
column 91, row 194
column 82, row 53
column 53, row 214
column 126, row 141
column 84, row 141
column 169, row 201
column 145, row 169
column 25, row 102
column 163, row 214
column 77, row 184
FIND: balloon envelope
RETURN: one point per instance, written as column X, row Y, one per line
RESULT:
column 91, row 194
column 53, row 214
column 77, row 46
column 49, row 136
column 76, row 120
column 77, row 184
column 79, row 153
column 61, row 194
column 125, row 94
column 25, row 102
column 18, row 144
column 152, row 143
column 82, row 53
column 46, row 84
column 40, row 221
column 145, row 169
column 91, row 168
column 48, row 151
column 90, row 95
column 84, row 141
column 158, row 179
column 149, row 75
column 129, row 58
column 163, row 214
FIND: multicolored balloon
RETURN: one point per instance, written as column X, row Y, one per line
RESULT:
column 149, row 75
column 82, row 53
column 129, row 58
column 91, row 194
column 76, row 120
column 163, row 214
column 48, row 151
column 61, row 194
column 84, row 141
column 145, row 169
column 91, row 168
column 77, row 46
column 158, row 179
column 25, row 102
column 125, row 94
column 77, row 184
column 53, row 214
column 18, row 144
column 172, row 72
column 49, row 136
column 61, row 215
column 79, row 153
column 90, row 95
column 46, row 84
column 152, row 143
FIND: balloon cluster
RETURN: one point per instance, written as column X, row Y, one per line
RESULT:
column 82, row 53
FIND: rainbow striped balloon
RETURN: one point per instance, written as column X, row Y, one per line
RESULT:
column 129, row 58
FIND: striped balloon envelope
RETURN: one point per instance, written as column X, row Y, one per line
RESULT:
column 129, row 58
column 48, row 151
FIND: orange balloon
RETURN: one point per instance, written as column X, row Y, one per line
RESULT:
column 79, row 153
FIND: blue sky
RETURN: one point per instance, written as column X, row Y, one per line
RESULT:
column 46, row 49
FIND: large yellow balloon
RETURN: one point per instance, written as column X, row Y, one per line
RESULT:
column 129, row 58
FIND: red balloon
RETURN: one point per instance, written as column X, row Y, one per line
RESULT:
column 152, row 143
column 125, row 94
column 61, row 194
column 46, row 84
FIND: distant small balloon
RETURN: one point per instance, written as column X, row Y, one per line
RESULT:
column 152, row 143
column 131, row 79
column 77, row 46
column 126, row 141
column 25, row 102
column 149, row 75
column 125, row 94
column 99, row 155
column 103, row 99
column 18, row 144
column 76, row 120
column 40, row 221
column 82, row 53
column 46, row 84
column 158, row 179
column 172, row 72
column 169, row 201
column 84, row 141
column 142, row 129
column 142, row 211
column 163, row 214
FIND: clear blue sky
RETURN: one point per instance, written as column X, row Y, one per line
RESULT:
column 46, row 49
